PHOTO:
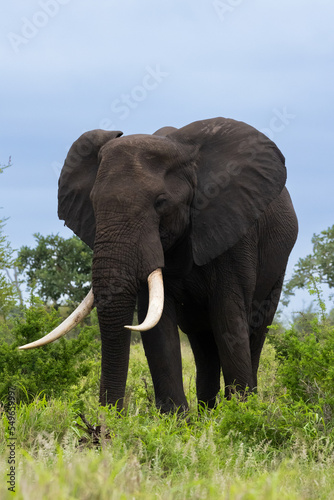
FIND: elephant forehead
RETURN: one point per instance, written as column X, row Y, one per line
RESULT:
column 144, row 151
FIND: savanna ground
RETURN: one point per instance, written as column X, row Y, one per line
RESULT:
column 279, row 444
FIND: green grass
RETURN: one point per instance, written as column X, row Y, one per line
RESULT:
column 114, row 474
column 271, row 447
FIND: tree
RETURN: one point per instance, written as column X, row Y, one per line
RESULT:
column 58, row 269
column 7, row 289
column 319, row 265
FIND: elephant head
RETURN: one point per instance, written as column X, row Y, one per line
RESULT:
column 172, row 200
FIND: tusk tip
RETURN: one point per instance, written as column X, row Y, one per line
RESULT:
column 27, row 346
column 140, row 328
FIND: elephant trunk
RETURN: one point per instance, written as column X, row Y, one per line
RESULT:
column 113, row 312
column 119, row 268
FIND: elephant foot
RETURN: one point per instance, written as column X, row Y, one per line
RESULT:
column 234, row 390
column 94, row 433
column 207, row 404
column 170, row 407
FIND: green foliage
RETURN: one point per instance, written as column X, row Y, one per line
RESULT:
column 278, row 443
column 57, row 267
column 306, row 357
column 306, row 366
column 8, row 293
column 319, row 264
column 117, row 475
column 7, row 289
column 254, row 450
column 49, row 417
column 57, row 369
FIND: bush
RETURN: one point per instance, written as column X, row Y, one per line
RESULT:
column 306, row 362
column 56, row 369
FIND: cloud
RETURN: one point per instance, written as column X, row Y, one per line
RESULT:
column 73, row 72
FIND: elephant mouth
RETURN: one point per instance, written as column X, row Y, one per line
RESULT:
column 155, row 308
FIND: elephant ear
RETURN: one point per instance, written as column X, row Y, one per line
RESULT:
column 239, row 173
column 76, row 182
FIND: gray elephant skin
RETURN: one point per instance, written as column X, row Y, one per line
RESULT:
column 207, row 204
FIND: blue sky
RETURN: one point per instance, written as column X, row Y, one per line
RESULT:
column 68, row 66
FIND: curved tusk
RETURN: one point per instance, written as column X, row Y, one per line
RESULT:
column 156, row 302
column 73, row 320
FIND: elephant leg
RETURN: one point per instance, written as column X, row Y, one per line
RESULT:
column 231, row 331
column 163, row 352
column 263, row 312
column 208, row 367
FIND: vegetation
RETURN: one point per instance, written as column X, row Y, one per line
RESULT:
column 54, row 370
column 275, row 445
column 317, row 266
column 8, row 291
column 279, row 444
column 57, row 268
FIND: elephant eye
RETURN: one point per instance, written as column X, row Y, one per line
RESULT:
column 160, row 202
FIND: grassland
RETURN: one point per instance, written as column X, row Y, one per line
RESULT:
column 270, row 447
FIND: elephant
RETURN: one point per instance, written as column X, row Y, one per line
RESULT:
column 196, row 226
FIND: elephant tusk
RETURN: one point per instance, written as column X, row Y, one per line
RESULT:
column 156, row 302
column 73, row 320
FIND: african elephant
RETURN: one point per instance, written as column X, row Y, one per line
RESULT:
column 207, row 205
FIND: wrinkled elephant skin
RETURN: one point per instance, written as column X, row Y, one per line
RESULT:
column 207, row 204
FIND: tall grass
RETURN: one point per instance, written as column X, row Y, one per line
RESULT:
column 270, row 447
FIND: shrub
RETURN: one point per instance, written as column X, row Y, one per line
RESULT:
column 306, row 363
column 55, row 369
